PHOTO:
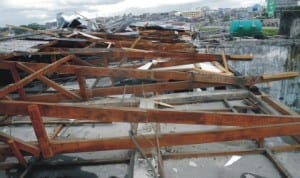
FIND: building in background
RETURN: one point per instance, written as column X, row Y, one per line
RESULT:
column 286, row 3
column 283, row 5
column 191, row 14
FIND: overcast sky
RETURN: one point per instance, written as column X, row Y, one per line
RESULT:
column 18, row 12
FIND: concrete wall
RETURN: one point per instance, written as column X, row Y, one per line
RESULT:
column 286, row 3
column 290, row 24
column 270, row 57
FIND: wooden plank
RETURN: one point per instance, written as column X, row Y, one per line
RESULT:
column 57, row 130
column 142, row 44
column 280, row 76
column 148, row 141
column 286, row 148
column 282, row 170
column 220, row 67
column 183, row 155
column 10, row 88
column 159, row 75
column 16, row 152
column 82, row 85
column 263, row 107
column 122, row 114
column 164, row 104
column 240, row 57
column 284, row 110
column 5, row 150
column 50, row 83
column 130, row 89
column 51, row 122
column 145, row 74
column 230, row 106
column 132, row 55
column 78, row 61
column 224, row 59
column 135, row 42
column 16, row 77
column 202, row 97
column 40, row 131
column 22, row 145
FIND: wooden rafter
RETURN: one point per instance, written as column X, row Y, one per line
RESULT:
column 117, row 114
column 129, row 89
column 40, row 131
column 22, row 145
column 10, row 88
column 70, row 146
column 50, row 83
column 165, row 75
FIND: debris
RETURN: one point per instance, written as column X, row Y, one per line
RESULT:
column 192, row 164
column 150, row 75
column 232, row 160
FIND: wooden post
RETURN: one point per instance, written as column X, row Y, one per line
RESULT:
column 40, row 131
column 82, row 85
column 50, row 83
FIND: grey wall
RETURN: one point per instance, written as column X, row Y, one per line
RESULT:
column 270, row 57
column 290, row 24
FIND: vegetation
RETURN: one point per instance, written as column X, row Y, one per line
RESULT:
column 208, row 29
column 33, row 26
column 270, row 31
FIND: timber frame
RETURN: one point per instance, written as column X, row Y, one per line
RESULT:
column 249, row 115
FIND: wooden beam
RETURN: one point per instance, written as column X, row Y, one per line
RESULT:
column 130, row 89
column 40, row 131
column 22, row 145
column 148, row 141
column 286, row 148
column 202, row 97
column 119, row 114
column 184, row 155
column 5, row 150
column 160, row 75
column 282, row 170
column 150, row 75
column 240, row 57
column 282, row 109
column 17, row 78
column 78, row 61
column 16, row 151
column 57, row 130
column 118, row 54
column 82, row 85
column 279, row 76
column 224, row 59
column 135, row 42
column 50, row 83
column 10, row 88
